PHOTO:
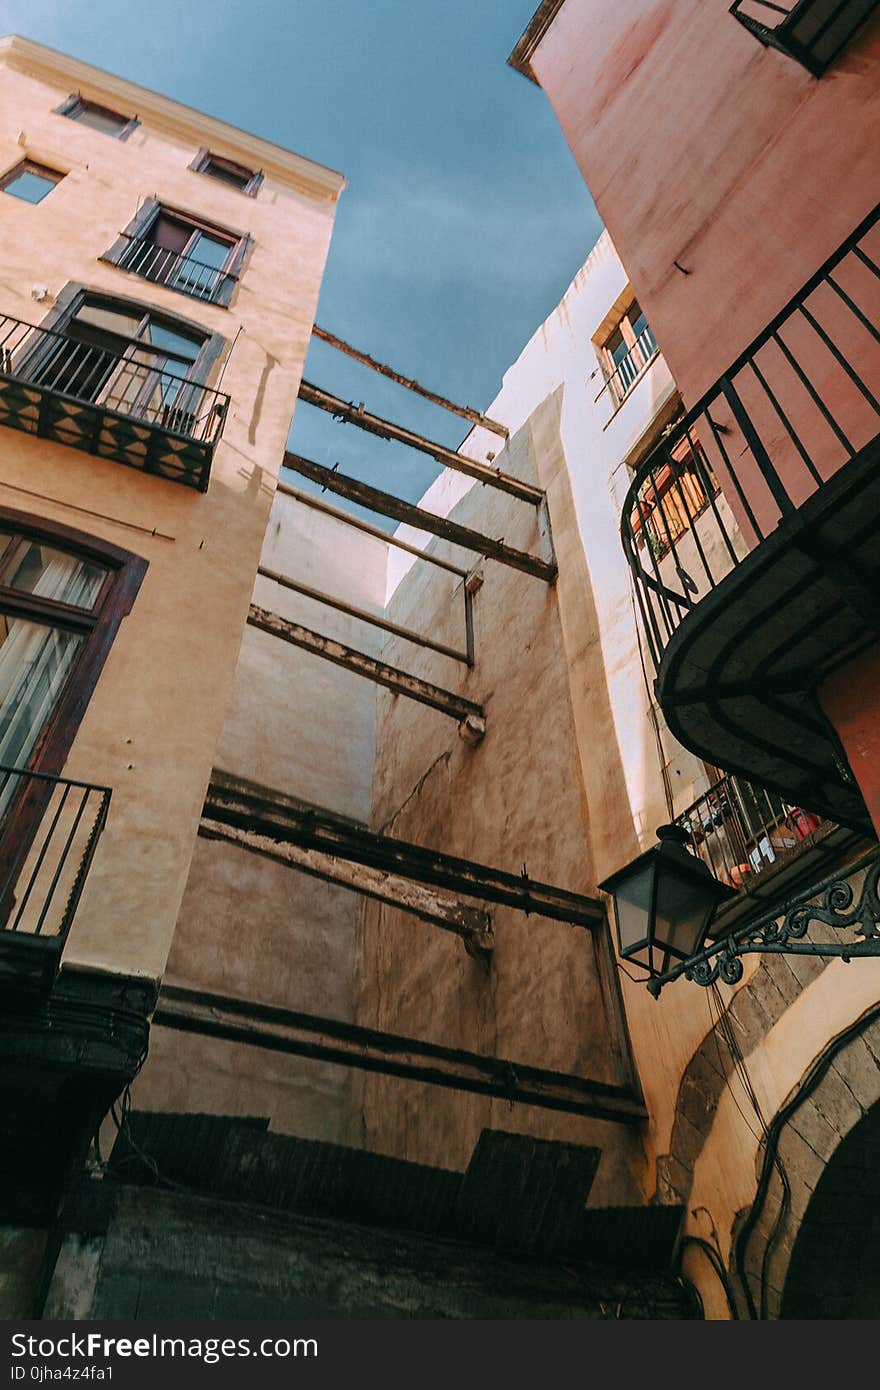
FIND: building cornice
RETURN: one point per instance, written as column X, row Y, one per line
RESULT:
column 521, row 57
column 172, row 117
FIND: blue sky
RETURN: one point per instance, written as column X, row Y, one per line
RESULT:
column 464, row 218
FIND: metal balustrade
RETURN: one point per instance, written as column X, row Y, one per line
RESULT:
column 123, row 405
column 631, row 367
column 740, row 830
column 787, row 414
column 812, row 32
column 49, row 831
column 174, row 269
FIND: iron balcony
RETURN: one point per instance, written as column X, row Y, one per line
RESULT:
column 750, row 532
column 176, row 270
column 49, row 831
column 812, row 32
column 112, row 404
column 631, row 368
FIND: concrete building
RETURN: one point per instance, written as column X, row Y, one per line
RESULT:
column 161, row 272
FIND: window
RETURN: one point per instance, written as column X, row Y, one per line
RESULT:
column 626, row 351
column 125, row 357
column 676, row 494
column 227, row 171
column 96, row 117
column 173, row 249
column 62, row 597
column 30, row 182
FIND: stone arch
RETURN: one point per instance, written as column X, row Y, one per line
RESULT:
column 823, row 1133
column 752, row 1013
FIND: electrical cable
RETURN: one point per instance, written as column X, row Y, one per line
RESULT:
column 717, row 1263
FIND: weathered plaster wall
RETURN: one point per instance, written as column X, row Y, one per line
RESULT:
column 299, row 726
column 152, row 726
column 568, row 778
column 692, row 137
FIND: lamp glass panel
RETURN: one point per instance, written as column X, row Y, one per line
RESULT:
column 633, row 899
column 684, row 906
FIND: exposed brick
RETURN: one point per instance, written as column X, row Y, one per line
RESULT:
column 802, row 1163
column 836, row 1102
column 673, row 1180
column 698, row 1104
column 812, row 1125
column 687, row 1141
column 860, row 1070
column 750, row 1019
column 806, row 969
column 786, row 981
column 766, row 990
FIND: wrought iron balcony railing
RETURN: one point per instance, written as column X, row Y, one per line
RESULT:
column 120, row 405
column 740, row 830
column 630, row 368
column 49, row 831
column 811, row 31
column 174, row 269
column 787, row 414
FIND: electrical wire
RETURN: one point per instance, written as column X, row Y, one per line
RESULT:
column 714, row 1257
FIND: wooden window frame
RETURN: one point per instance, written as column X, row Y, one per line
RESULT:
column 30, row 166
column 610, row 368
column 149, row 212
column 205, row 157
column 71, row 299
column 98, row 626
column 76, row 104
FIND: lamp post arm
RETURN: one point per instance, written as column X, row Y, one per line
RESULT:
column 784, row 930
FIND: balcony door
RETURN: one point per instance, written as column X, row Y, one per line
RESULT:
column 62, row 597
column 120, row 356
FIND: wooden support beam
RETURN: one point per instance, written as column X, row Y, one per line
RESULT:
column 349, row 1045
column 362, row 614
column 389, row 505
column 466, row 412
column 385, row 429
column 285, row 822
column 471, row 717
column 472, row 924
column 388, row 537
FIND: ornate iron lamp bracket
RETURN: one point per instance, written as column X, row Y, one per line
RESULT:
column 785, row 932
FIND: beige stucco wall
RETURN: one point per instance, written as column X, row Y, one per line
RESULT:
column 152, row 726
column 297, row 725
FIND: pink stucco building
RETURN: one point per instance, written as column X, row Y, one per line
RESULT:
column 732, row 154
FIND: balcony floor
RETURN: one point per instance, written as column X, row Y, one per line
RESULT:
column 110, row 434
column 737, row 682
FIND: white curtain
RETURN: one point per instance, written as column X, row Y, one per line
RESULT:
column 35, row 660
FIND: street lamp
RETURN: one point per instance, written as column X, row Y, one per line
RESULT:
column 663, row 903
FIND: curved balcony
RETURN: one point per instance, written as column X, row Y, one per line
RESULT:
column 750, row 532
column 812, row 32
